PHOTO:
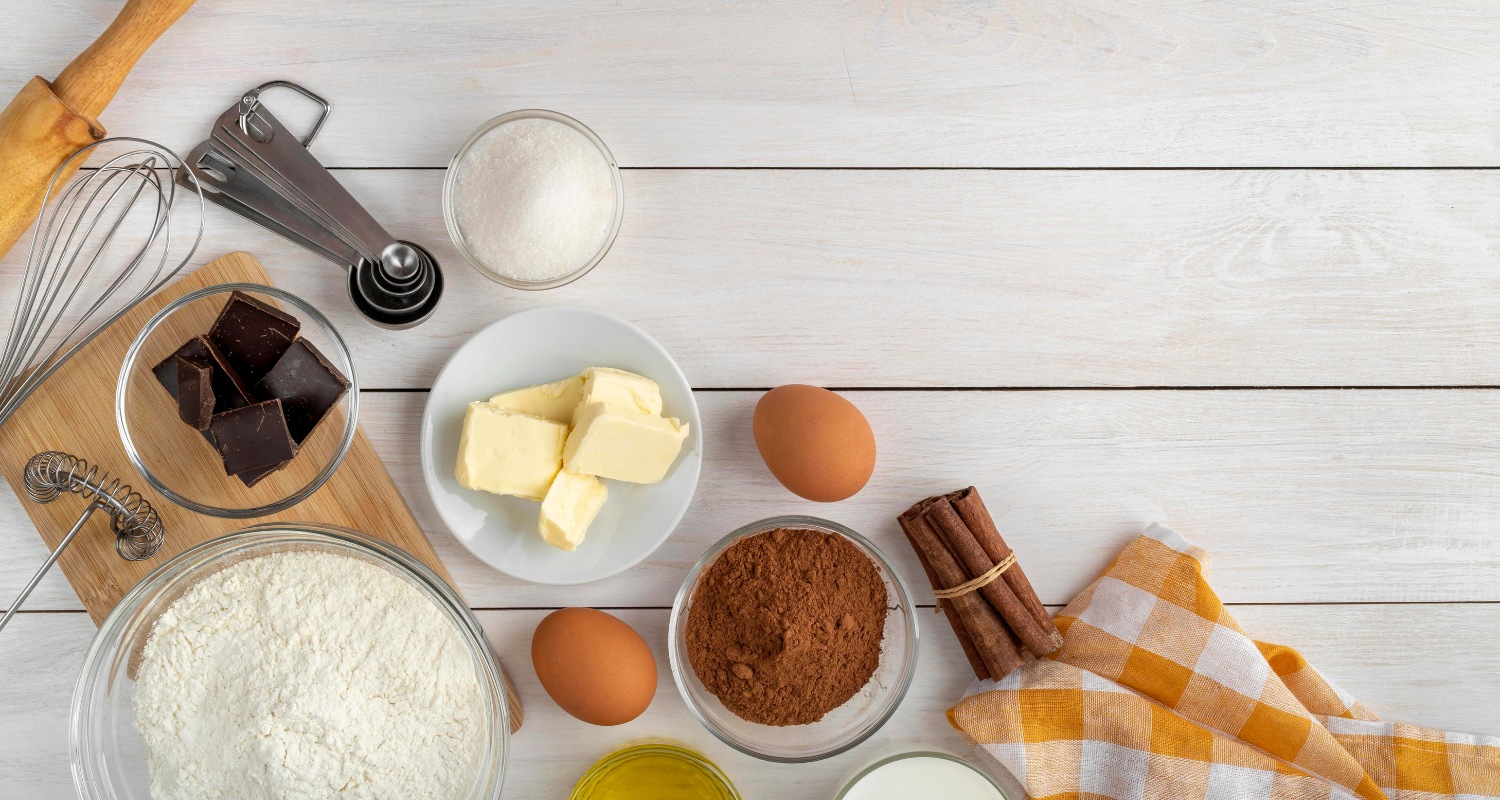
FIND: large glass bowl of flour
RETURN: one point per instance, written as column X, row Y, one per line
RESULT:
column 109, row 752
column 533, row 199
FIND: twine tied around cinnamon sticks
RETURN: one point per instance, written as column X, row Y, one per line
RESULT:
column 978, row 583
column 988, row 600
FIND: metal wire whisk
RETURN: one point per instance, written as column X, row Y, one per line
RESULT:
column 138, row 529
column 65, row 298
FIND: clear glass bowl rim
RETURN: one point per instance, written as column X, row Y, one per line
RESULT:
column 858, row 776
column 678, row 658
column 351, row 421
column 674, row 749
column 101, row 652
column 450, row 216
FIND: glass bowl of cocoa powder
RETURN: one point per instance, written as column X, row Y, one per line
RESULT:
column 793, row 639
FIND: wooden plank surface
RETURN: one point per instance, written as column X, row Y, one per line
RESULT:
column 1300, row 496
column 1382, row 654
column 983, row 278
column 1054, row 83
column 1348, row 513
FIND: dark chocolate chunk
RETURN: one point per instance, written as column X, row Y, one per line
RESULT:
column 253, row 335
column 195, row 392
column 307, row 385
column 166, row 371
column 229, row 391
column 250, row 477
column 253, row 437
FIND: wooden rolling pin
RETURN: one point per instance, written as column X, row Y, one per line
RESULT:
column 47, row 123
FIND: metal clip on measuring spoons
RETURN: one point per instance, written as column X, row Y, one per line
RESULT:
column 252, row 165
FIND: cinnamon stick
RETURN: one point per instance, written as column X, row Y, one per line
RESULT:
column 971, row 509
column 1036, row 638
column 954, row 620
column 986, row 628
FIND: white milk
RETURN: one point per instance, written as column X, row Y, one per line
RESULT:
column 923, row 778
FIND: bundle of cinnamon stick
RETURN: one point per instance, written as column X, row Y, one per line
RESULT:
column 994, row 615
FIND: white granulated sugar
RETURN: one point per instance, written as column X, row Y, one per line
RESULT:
column 534, row 199
column 308, row 675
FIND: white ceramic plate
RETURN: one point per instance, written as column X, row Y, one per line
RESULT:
column 541, row 345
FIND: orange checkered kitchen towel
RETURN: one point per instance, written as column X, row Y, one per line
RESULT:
column 1157, row 693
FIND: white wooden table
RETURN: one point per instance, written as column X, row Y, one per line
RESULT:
column 1231, row 266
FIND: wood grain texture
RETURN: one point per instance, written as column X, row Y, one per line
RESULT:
column 1381, row 654
column 865, row 83
column 1299, row 496
column 91, row 80
column 983, row 278
column 71, row 412
column 40, row 661
column 38, row 133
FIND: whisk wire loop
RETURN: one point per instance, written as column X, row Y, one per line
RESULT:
column 138, row 529
column 65, row 298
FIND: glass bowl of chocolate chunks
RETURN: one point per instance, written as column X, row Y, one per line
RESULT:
column 237, row 400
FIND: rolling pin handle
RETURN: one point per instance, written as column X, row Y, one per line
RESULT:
column 46, row 123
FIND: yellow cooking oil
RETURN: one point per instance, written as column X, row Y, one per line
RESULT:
column 655, row 771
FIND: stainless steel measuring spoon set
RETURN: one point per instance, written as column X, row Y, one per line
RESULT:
column 252, row 165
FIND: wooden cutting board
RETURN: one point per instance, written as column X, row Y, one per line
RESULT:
column 73, row 411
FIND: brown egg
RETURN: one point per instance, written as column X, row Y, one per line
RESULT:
column 815, row 442
column 594, row 666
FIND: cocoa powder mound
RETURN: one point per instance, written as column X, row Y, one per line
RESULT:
column 786, row 625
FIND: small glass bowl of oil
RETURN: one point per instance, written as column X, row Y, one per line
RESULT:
column 655, row 771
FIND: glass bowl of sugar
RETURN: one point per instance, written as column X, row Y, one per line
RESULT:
column 533, row 199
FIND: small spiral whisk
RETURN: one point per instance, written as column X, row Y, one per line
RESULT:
column 137, row 526
column 138, row 530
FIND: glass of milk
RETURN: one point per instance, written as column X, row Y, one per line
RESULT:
column 533, row 199
column 921, row 776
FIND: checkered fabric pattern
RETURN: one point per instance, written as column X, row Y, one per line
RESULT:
column 1157, row 693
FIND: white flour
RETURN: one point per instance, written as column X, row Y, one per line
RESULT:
column 308, row 675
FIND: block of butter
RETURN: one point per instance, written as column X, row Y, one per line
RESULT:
column 620, row 388
column 569, row 509
column 612, row 441
column 506, row 452
column 555, row 401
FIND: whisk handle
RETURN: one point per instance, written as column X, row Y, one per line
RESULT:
column 52, row 559
column 90, row 82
